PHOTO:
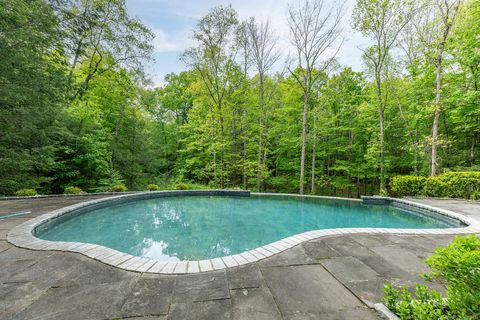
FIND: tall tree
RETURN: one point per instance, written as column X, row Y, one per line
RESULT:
column 464, row 50
column 382, row 21
column 32, row 90
column 314, row 28
column 214, row 60
column 445, row 16
column 264, row 55
column 101, row 35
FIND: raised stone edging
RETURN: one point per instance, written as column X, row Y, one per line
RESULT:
column 46, row 196
column 385, row 312
column 23, row 235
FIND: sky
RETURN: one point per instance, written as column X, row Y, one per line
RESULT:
column 172, row 22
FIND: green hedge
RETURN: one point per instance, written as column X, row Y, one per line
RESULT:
column 26, row 193
column 119, row 188
column 72, row 190
column 464, row 185
column 153, row 187
column 407, row 185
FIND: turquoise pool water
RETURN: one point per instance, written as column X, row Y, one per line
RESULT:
column 202, row 227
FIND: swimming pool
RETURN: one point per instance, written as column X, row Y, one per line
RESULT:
column 212, row 226
column 190, row 231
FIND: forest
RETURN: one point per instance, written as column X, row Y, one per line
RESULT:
column 77, row 109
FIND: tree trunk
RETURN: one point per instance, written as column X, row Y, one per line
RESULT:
column 448, row 20
column 472, row 146
column 314, row 142
column 382, row 131
column 245, row 73
column 304, row 142
column 260, row 138
column 244, row 178
column 436, row 115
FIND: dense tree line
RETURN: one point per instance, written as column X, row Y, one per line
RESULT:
column 77, row 110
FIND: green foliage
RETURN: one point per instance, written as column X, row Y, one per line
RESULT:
column 435, row 187
column 153, row 187
column 391, row 297
column 119, row 188
column 458, row 265
column 462, row 184
column 407, row 185
column 31, row 92
column 113, row 179
column 450, row 184
column 26, row 193
column 73, row 190
column 181, row 186
column 76, row 109
column 425, row 304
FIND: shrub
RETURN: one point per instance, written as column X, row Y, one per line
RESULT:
column 459, row 266
column 119, row 188
column 197, row 186
column 451, row 184
column 435, row 187
column 72, row 190
column 181, row 186
column 407, row 185
column 153, row 187
column 26, row 193
column 462, row 184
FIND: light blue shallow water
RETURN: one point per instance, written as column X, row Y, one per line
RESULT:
column 201, row 227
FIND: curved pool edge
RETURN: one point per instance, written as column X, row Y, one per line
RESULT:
column 23, row 234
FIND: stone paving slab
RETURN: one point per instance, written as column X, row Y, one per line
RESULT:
column 315, row 251
column 17, row 296
column 3, row 234
column 149, row 318
column 347, row 246
column 48, row 271
column 244, row 277
column 405, row 259
column 368, row 291
column 149, row 296
column 254, row 303
column 203, row 310
column 84, row 271
column 308, row 291
column 295, row 255
column 9, row 223
column 360, row 313
column 384, row 268
column 80, row 302
column 468, row 208
column 201, row 287
column 9, row 268
column 349, row 268
column 4, row 245
column 15, row 253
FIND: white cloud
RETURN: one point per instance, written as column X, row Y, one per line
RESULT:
column 163, row 42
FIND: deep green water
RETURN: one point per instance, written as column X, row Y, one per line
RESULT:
column 200, row 227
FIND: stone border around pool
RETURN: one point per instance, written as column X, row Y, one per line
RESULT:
column 23, row 234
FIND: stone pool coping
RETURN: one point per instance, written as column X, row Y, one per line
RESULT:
column 23, row 234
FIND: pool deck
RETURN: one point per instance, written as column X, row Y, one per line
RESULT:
column 336, row 277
